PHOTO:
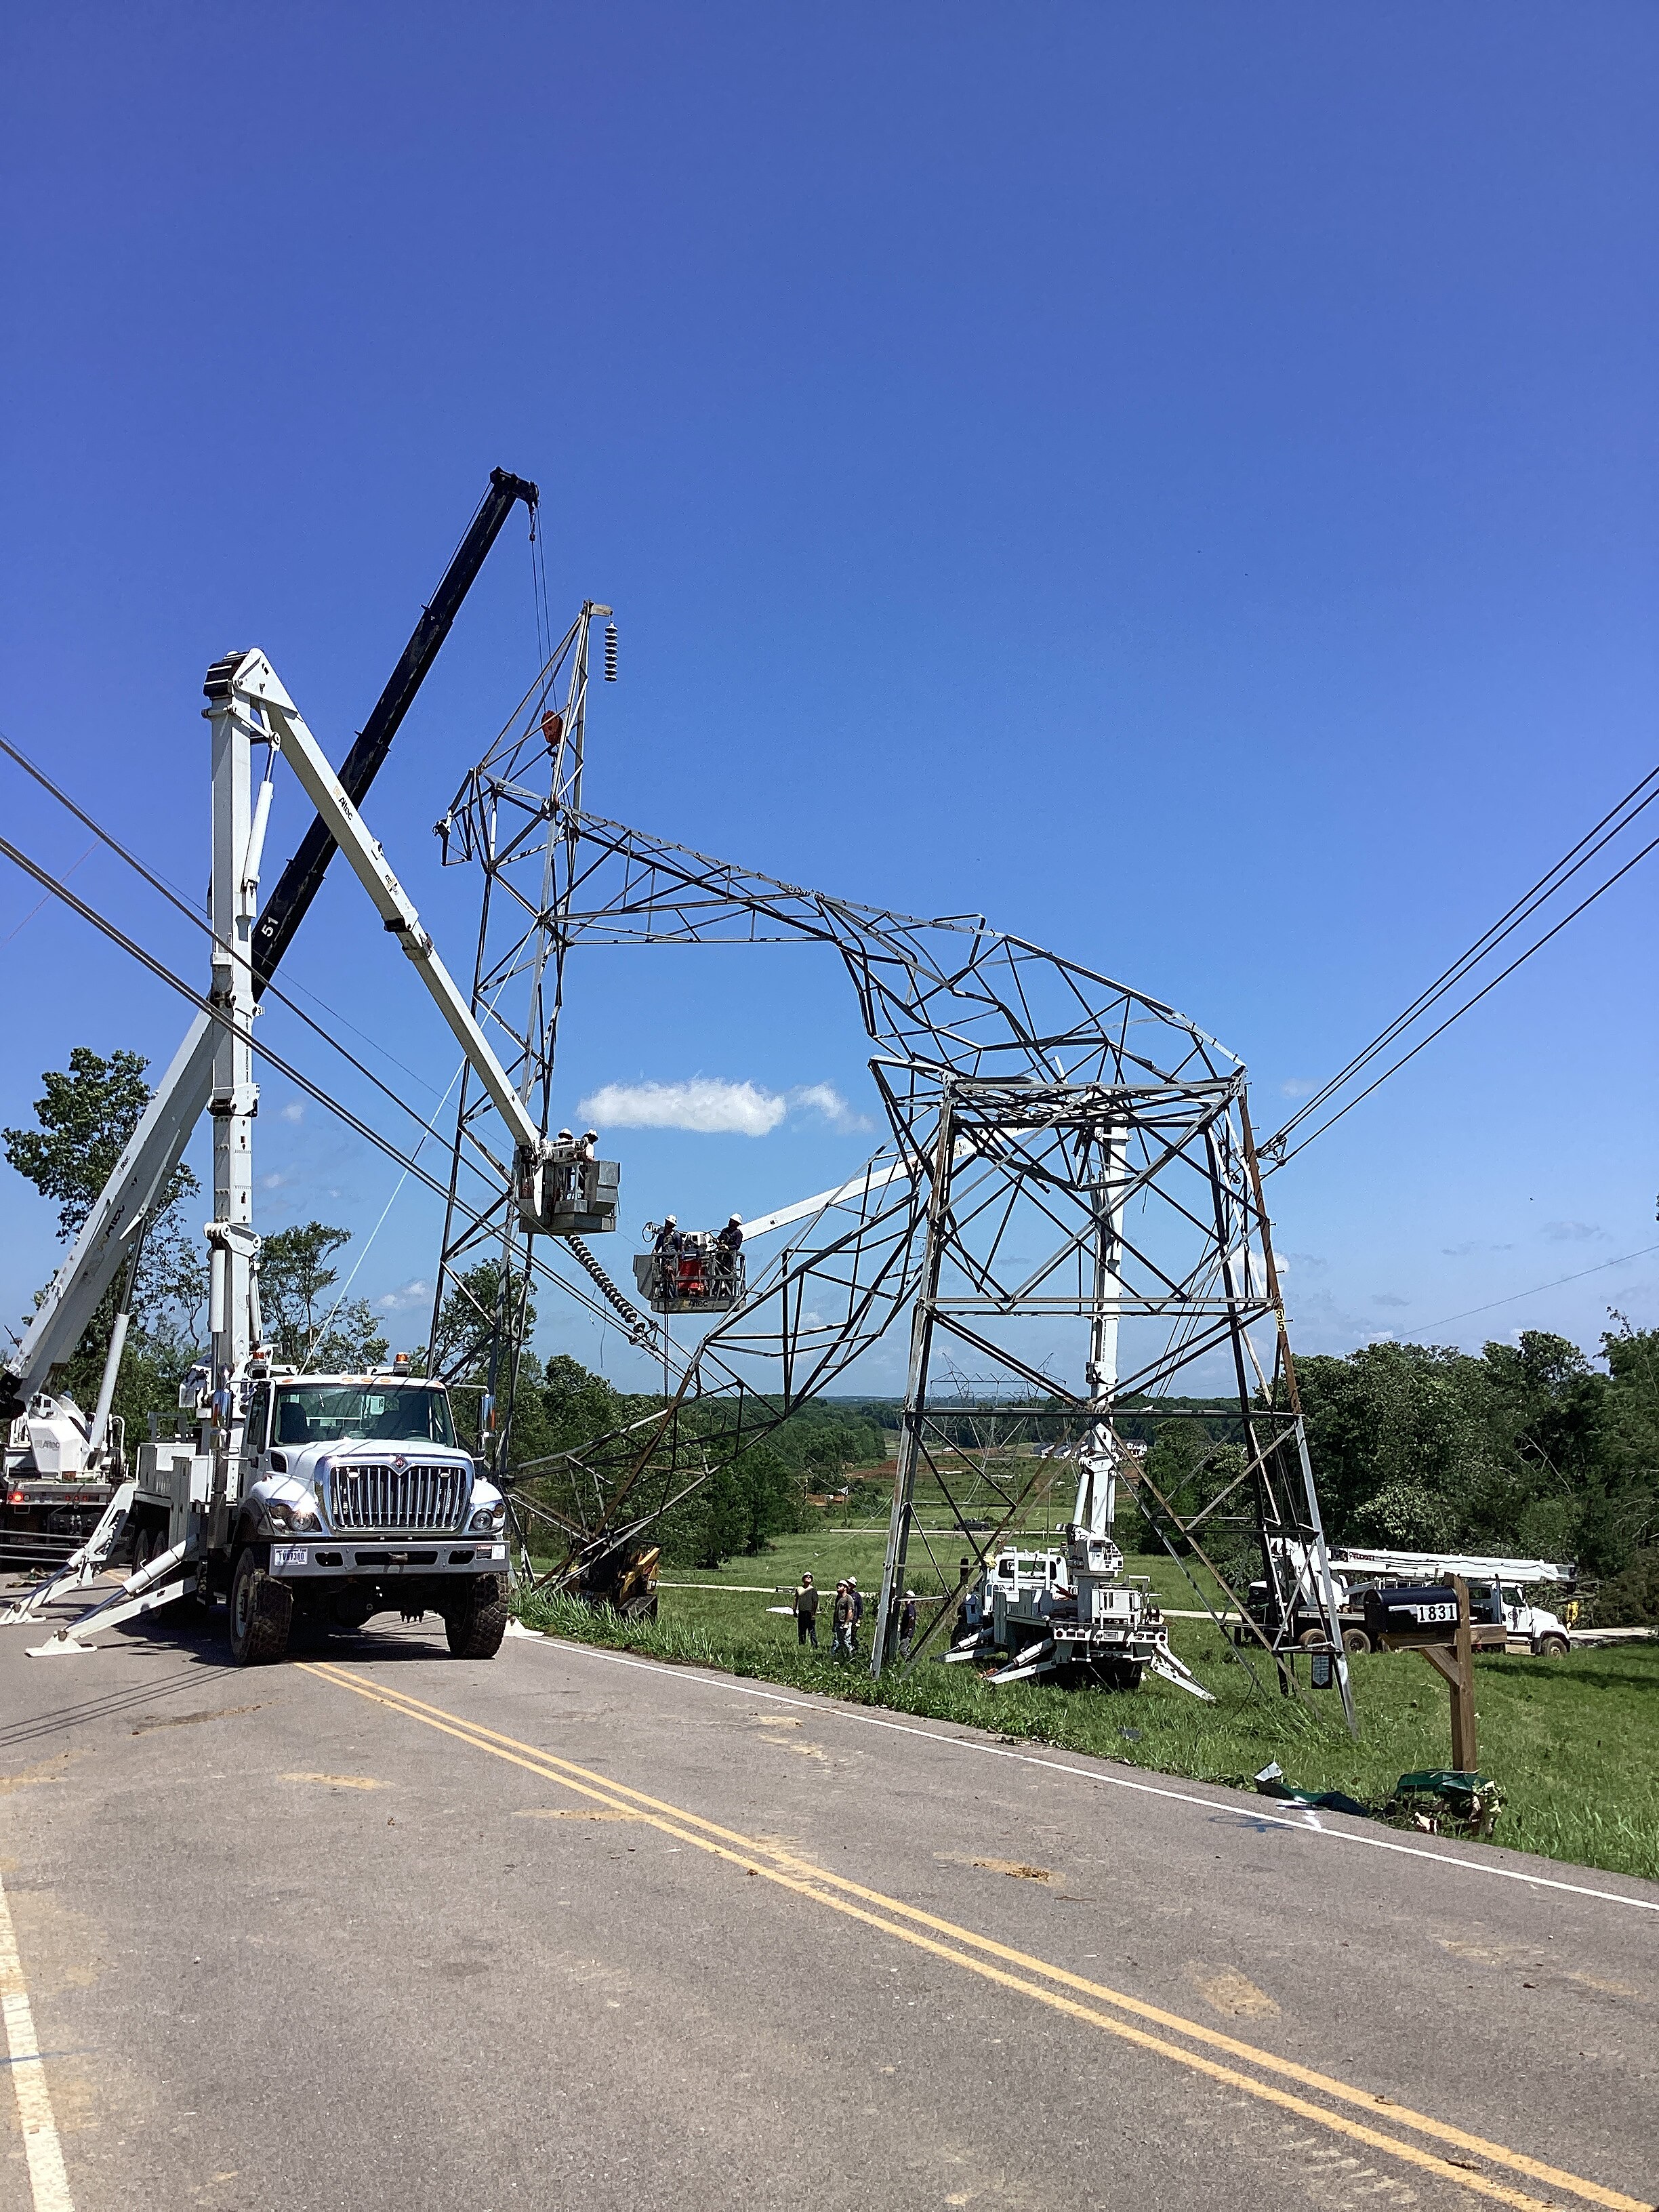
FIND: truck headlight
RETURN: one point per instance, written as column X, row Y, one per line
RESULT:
column 487, row 1519
column 292, row 1516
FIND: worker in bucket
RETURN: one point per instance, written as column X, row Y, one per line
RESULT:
column 806, row 1611
column 727, row 1245
column 667, row 1249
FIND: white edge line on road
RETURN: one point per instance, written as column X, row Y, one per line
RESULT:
column 47, row 2179
column 1309, row 1827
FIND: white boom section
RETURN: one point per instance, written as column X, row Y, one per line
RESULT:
column 140, row 1175
column 1351, row 1559
column 875, row 1176
column 257, row 681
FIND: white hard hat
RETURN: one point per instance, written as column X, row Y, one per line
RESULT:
column 735, row 1217
column 669, row 1220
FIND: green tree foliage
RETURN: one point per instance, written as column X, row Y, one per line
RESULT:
column 1526, row 1449
column 82, row 1122
column 466, row 1327
column 303, row 1324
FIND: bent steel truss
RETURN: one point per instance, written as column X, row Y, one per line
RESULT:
column 1065, row 1156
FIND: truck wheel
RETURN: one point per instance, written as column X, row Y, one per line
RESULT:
column 261, row 1613
column 477, row 1625
column 1554, row 1646
column 1355, row 1639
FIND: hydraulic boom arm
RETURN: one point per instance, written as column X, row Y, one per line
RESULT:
column 145, row 1167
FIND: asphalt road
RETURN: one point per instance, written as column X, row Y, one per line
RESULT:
column 379, row 1928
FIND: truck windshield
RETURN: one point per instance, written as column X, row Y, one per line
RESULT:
column 323, row 1412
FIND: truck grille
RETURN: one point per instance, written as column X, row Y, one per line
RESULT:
column 377, row 1496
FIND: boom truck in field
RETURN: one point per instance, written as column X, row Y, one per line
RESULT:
column 1502, row 1610
column 331, row 1496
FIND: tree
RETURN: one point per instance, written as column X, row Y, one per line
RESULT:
column 83, row 1123
column 302, row 1325
column 84, row 1120
column 466, row 1328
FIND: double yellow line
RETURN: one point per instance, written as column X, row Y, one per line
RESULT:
column 1109, row 2010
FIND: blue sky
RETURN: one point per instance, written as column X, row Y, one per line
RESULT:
column 1180, row 480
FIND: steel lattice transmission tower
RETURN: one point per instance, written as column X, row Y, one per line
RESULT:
column 515, row 816
column 1070, row 1177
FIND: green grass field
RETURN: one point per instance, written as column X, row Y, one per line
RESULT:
column 1574, row 1742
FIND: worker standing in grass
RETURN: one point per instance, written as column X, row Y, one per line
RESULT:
column 806, row 1611
column 857, row 1596
column 841, row 1614
column 907, row 1624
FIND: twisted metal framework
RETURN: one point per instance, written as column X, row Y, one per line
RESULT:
column 1063, row 1149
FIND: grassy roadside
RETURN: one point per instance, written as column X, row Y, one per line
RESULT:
column 1571, row 1742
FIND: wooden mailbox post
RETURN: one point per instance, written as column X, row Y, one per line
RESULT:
column 1434, row 1619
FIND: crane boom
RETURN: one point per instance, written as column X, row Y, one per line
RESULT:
column 256, row 681
column 146, row 1166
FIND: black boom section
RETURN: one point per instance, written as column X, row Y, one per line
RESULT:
column 285, row 909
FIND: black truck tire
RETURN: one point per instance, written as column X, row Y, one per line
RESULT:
column 261, row 1613
column 478, row 1622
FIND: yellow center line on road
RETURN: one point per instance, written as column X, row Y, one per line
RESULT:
column 836, row 1893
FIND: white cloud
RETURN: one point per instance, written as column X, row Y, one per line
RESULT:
column 275, row 1182
column 705, row 1103
column 1573, row 1233
column 824, row 1098
column 412, row 1293
column 713, row 1107
column 1299, row 1086
column 295, row 1110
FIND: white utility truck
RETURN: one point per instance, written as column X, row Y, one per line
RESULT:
column 350, row 1497
column 333, row 1496
column 1498, row 1590
column 1069, row 1612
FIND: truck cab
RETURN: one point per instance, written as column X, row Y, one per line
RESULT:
column 1544, row 1632
column 342, row 1496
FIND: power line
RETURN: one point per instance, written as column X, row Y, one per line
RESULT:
column 159, row 885
column 1515, row 1297
column 1283, row 1158
column 1618, row 818
column 175, row 898
column 20, row 926
column 360, row 1128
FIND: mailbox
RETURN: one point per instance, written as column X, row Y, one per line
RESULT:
column 1421, row 1612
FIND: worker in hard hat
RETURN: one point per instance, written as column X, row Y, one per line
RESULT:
column 667, row 1249
column 727, row 1245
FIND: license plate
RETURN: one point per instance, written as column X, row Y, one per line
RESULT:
column 287, row 1555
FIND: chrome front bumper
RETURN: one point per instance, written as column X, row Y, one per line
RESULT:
column 380, row 1558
